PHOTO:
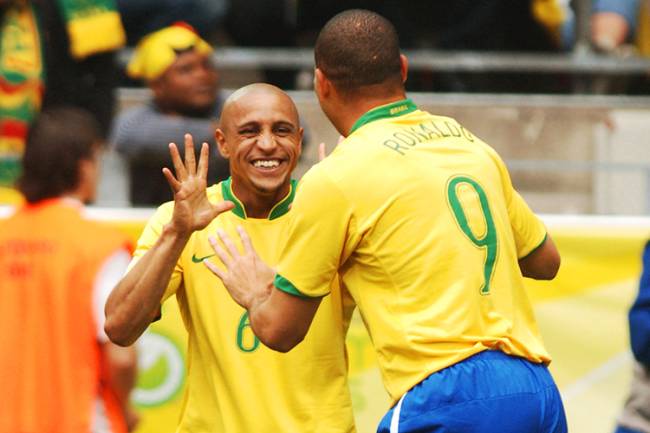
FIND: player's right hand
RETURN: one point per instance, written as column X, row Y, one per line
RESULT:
column 192, row 209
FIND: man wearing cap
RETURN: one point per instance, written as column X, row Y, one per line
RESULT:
column 176, row 65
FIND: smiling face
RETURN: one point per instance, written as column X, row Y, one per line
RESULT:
column 261, row 136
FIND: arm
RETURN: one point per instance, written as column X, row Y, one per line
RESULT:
column 278, row 319
column 537, row 254
column 282, row 304
column 121, row 371
column 135, row 301
column 543, row 263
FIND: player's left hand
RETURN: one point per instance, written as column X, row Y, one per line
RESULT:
column 247, row 278
column 322, row 148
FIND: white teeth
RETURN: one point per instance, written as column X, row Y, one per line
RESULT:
column 268, row 163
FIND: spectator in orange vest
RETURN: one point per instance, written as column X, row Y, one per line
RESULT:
column 58, row 371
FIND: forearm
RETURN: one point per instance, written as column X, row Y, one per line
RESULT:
column 135, row 301
column 281, row 321
column 543, row 263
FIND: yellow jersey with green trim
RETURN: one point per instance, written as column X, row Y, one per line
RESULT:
column 420, row 220
column 235, row 384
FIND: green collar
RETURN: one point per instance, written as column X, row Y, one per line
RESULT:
column 280, row 208
column 393, row 109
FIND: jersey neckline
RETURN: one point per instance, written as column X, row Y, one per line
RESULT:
column 280, row 208
column 393, row 109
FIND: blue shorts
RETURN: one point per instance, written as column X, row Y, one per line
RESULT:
column 490, row 392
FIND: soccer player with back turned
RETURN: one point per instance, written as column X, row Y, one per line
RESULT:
column 420, row 219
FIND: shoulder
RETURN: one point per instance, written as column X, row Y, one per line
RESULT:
column 325, row 183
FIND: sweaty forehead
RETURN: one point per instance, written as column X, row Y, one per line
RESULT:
column 261, row 106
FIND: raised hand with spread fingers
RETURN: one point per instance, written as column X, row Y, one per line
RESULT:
column 135, row 301
column 192, row 209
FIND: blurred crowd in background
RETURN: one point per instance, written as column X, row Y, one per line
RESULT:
column 65, row 52
column 57, row 53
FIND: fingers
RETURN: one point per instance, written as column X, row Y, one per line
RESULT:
column 230, row 246
column 179, row 168
column 215, row 269
column 246, row 240
column 171, row 180
column 321, row 151
column 341, row 138
column 203, row 161
column 190, row 161
column 223, row 256
column 221, row 207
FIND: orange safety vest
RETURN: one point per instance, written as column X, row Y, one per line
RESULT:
column 50, row 359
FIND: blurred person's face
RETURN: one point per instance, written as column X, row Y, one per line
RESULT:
column 188, row 86
column 261, row 136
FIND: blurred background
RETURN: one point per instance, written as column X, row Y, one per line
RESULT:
column 560, row 88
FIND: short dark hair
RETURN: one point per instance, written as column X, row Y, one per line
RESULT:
column 358, row 48
column 56, row 142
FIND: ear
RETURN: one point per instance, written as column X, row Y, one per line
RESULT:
column 404, row 67
column 88, row 175
column 84, row 170
column 221, row 143
column 301, row 134
column 322, row 86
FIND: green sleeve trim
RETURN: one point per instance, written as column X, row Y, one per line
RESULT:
column 286, row 286
column 536, row 247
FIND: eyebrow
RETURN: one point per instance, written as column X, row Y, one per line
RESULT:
column 247, row 124
column 284, row 123
column 276, row 123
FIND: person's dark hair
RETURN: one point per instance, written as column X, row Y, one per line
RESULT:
column 358, row 48
column 57, row 141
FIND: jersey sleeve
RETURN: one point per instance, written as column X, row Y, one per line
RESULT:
column 320, row 237
column 148, row 239
column 528, row 230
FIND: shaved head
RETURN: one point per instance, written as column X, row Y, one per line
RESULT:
column 260, row 135
column 359, row 48
column 254, row 91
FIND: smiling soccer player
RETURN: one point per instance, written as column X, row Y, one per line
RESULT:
column 236, row 384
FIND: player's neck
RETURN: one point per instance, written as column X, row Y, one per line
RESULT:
column 258, row 204
column 361, row 106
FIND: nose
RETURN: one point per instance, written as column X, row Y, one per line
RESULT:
column 266, row 141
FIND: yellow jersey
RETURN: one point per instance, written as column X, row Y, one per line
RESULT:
column 235, row 383
column 420, row 219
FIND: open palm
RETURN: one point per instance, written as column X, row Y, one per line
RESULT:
column 192, row 209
